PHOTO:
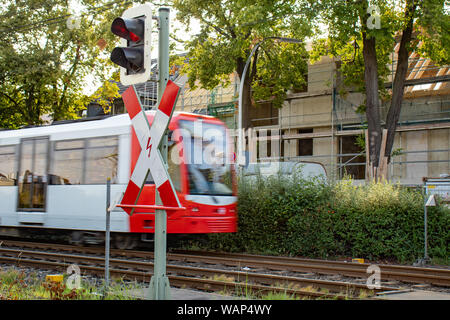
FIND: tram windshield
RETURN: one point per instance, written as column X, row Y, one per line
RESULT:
column 205, row 154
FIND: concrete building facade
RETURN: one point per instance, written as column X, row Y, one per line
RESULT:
column 324, row 126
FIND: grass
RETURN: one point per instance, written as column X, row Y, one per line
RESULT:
column 16, row 285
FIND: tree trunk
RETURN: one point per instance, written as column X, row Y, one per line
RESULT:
column 372, row 101
column 399, row 81
column 32, row 107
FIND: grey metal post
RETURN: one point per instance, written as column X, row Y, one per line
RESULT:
column 107, row 233
column 159, row 284
column 425, row 218
column 426, row 258
column 163, row 52
column 425, row 224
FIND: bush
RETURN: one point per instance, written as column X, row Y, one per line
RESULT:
column 314, row 219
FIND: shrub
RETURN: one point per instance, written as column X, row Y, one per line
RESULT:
column 314, row 219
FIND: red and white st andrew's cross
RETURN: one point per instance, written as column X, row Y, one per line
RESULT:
column 149, row 137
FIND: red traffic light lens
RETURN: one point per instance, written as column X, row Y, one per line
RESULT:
column 121, row 27
column 134, row 37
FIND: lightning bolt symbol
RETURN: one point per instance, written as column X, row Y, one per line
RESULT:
column 149, row 146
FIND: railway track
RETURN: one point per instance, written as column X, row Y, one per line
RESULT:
column 216, row 276
column 208, row 279
column 434, row 276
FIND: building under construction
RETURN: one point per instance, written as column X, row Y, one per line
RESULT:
column 321, row 125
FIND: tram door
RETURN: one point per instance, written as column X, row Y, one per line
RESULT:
column 32, row 177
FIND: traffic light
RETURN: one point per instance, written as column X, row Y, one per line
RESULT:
column 133, row 56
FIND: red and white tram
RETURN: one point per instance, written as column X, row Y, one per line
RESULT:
column 52, row 178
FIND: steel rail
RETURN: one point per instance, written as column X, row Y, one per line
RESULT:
column 177, row 280
column 142, row 269
column 434, row 276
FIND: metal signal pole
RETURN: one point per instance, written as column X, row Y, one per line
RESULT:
column 159, row 284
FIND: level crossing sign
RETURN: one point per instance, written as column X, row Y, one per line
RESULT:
column 150, row 158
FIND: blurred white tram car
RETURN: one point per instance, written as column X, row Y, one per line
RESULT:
column 53, row 178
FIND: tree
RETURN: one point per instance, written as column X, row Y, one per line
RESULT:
column 44, row 60
column 229, row 29
column 365, row 35
column 105, row 95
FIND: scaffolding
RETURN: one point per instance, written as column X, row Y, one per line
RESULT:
column 327, row 125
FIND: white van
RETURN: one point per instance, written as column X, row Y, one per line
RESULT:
column 308, row 170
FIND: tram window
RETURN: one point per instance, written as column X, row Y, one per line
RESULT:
column 7, row 165
column 208, row 172
column 26, row 163
column 69, row 144
column 32, row 179
column 84, row 161
column 101, row 160
column 67, row 162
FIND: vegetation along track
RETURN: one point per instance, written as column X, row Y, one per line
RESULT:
column 213, row 275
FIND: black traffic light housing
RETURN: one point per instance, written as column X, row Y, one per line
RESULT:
column 134, row 29
column 131, row 57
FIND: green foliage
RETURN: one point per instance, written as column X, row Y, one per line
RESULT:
column 346, row 22
column 106, row 94
column 281, row 67
column 44, row 63
column 365, row 52
column 314, row 219
column 229, row 31
column 266, row 209
column 434, row 24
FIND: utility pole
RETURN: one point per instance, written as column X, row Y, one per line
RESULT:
column 159, row 284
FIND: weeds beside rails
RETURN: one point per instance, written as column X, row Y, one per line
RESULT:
column 295, row 216
column 18, row 285
column 59, row 291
